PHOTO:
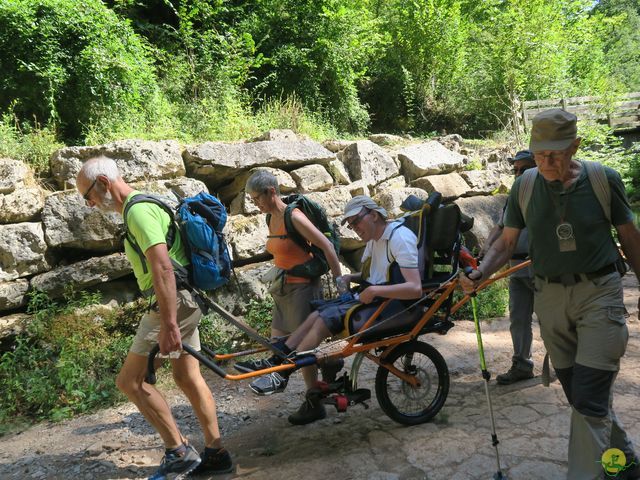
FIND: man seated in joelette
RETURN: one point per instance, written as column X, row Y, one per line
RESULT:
column 390, row 248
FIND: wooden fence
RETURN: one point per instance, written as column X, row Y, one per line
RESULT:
column 624, row 114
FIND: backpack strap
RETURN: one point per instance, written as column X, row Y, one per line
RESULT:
column 171, row 234
column 600, row 184
column 527, row 181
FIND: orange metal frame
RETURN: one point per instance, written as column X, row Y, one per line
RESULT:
column 389, row 343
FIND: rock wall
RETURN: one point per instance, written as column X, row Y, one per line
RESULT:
column 50, row 240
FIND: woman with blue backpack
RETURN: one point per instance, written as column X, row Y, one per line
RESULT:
column 303, row 245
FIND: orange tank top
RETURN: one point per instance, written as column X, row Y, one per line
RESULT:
column 286, row 253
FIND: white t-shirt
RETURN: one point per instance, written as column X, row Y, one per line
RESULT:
column 402, row 248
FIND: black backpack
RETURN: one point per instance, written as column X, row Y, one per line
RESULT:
column 318, row 265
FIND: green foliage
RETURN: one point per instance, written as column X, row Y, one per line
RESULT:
column 66, row 361
column 259, row 315
column 492, row 302
column 29, row 143
column 69, row 63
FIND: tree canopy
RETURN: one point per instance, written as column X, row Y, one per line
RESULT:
column 194, row 67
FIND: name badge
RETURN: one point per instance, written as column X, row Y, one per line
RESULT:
column 566, row 239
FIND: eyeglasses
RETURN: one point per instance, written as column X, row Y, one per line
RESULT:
column 521, row 170
column 556, row 156
column 354, row 223
column 86, row 194
column 256, row 198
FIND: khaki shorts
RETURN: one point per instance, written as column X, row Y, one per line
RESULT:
column 291, row 303
column 583, row 323
column 188, row 318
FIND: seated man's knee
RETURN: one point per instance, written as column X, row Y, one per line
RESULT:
column 591, row 389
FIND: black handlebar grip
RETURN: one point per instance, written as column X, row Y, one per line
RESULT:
column 150, row 378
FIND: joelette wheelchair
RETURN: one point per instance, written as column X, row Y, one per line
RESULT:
column 412, row 379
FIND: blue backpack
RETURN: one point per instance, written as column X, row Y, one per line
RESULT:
column 200, row 220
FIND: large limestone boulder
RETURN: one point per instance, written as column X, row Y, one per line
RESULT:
column 450, row 185
column 83, row 274
column 13, row 175
column 236, row 295
column 21, row 205
column 336, row 145
column 23, row 250
column 13, row 294
column 277, row 134
column 312, row 178
column 21, row 198
column 366, row 161
column 391, row 199
column 69, row 223
column 243, row 205
column 486, row 211
column 219, row 163
column 230, row 191
column 338, row 171
column 10, row 326
column 332, row 201
column 429, row 158
column 247, row 236
column 384, row 139
column 136, row 159
column 391, row 184
column 482, row 182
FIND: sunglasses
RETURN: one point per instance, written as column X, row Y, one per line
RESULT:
column 86, row 194
column 354, row 223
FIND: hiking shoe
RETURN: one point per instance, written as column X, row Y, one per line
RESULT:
column 269, row 384
column 180, row 464
column 214, row 461
column 311, row 410
column 514, row 375
column 254, row 365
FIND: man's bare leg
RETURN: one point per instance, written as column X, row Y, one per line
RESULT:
column 187, row 375
column 148, row 399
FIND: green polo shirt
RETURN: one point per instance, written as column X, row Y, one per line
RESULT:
column 149, row 224
column 594, row 245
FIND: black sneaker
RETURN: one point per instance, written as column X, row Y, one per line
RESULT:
column 215, row 461
column 180, row 464
column 311, row 410
column 269, row 384
column 255, row 365
column 514, row 375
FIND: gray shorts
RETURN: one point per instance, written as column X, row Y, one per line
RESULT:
column 292, row 303
column 188, row 318
column 583, row 323
column 333, row 311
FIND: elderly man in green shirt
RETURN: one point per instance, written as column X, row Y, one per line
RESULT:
column 172, row 321
column 578, row 289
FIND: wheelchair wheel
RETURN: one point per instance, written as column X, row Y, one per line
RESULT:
column 400, row 400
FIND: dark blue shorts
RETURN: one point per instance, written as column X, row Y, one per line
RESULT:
column 333, row 311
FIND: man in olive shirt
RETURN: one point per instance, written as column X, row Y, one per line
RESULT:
column 174, row 320
column 578, row 298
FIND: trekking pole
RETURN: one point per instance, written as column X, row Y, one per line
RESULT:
column 487, row 376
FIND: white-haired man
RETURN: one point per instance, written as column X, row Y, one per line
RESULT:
column 173, row 320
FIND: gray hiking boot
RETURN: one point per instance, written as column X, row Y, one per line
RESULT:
column 514, row 375
column 182, row 465
column 269, row 384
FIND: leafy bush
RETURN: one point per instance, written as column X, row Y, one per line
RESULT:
column 66, row 361
column 31, row 144
column 69, row 63
column 492, row 302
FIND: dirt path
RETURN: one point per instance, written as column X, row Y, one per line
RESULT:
column 532, row 424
